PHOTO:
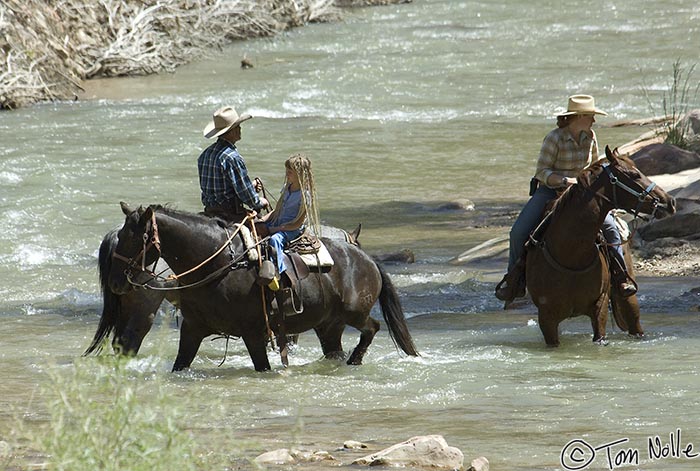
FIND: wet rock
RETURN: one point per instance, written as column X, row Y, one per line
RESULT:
column 312, row 456
column 657, row 159
column 479, row 464
column 430, row 451
column 459, row 205
column 286, row 456
column 679, row 225
column 353, row 445
column 690, row 192
column 281, row 456
column 402, row 256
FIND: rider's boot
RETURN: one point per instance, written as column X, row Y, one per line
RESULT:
column 513, row 283
column 289, row 300
column 622, row 282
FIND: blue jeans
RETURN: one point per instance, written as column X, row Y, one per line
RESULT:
column 278, row 241
column 530, row 217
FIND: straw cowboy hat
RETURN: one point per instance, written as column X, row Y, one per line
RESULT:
column 581, row 104
column 224, row 119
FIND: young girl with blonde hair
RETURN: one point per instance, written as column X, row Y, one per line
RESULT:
column 296, row 208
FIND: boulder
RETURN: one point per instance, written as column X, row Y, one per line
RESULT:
column 459, row 205
column 479, row 464
column 286, row 456
column 281, row 456
column 430, row 451
column 353, row 445
column 690, row 192
column 402, row 256
column 691, row 122
column 684, row 224
column 657, row 159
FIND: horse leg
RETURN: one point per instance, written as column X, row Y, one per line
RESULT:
column 599, row 319
column 257, row 349
column 330, row 336
column 626, row 309
column 368, row 331
column 190, row 339
column 139, row 307
column 549, row 326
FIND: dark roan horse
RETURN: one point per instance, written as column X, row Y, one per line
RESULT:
column 221, row 296
column 129, row 316
column 567, row 273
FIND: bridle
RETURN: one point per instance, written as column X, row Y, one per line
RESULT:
column 642, row 194
column 151, row 239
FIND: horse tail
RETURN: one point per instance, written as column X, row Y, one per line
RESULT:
column 111, row 302
column 393, row 315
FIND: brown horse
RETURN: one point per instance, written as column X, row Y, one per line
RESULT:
column 567, row 273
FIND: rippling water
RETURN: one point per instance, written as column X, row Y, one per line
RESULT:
column 402, row 109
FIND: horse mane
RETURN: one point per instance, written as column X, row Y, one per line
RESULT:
column 583, row 183
column 187, row 216
column 111, row 302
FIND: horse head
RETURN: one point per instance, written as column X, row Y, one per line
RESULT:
column 138, row 246
column 623, row 186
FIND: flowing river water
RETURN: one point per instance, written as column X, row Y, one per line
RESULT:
column 402, row 109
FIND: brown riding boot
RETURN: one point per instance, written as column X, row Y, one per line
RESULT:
column 622, row 282
column 513, row 283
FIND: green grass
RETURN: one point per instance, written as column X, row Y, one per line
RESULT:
column 680, row 98
column 112, row 413
column 102, row 416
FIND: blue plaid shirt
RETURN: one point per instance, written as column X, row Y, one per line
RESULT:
column 223, row 177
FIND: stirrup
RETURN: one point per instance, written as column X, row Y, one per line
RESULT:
column 504, row 293
column 288, row 294
column 627, row 288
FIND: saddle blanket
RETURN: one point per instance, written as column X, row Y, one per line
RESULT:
column 320, row 260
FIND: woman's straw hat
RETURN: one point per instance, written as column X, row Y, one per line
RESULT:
column 224, row 119
column 581, row 104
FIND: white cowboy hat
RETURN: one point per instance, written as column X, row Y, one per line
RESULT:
column 224, row 119
column 581, row 104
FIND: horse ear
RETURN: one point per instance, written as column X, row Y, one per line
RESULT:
column 355, row 235
column 147, row 213
column 611, row 154
column 125, row 208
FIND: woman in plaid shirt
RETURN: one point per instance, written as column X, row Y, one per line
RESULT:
column 565, row 152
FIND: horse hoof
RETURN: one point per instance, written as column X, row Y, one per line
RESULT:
column 638, row 336
column 602, row 342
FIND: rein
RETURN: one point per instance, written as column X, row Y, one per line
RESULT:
column 640, row 195
column 154, row 241
column 615, row 182
column 148, row 243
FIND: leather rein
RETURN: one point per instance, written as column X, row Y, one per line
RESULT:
column 153, row 241
column 615, row 183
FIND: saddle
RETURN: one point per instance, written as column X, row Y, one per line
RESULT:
column 311, row 251
column 302, row 256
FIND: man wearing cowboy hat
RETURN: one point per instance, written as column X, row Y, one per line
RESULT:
column 223, row 176
column 565, row 152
